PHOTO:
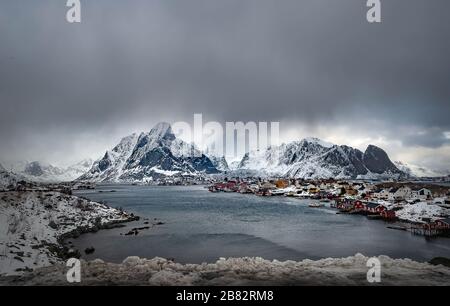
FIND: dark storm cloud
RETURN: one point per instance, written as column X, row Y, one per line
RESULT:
column 132, row 63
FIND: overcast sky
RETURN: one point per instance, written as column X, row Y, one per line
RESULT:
column 70, row 91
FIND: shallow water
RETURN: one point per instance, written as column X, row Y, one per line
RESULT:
column 200, row 226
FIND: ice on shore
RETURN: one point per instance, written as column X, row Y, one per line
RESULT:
column 242, row 271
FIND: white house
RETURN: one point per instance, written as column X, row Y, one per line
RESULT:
column 402, row 193
column 421, row 194
column 382, row 194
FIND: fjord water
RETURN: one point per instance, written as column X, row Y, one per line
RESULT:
column 200, row 226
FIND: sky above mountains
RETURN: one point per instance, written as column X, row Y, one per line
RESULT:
column 70, row 91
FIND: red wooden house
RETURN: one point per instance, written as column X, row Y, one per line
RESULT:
column 443, row 223
column 375, row 208
column 231, row 186
column 359, row 205
column 388, row 214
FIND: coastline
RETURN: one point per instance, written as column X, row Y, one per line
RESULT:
column 158, row 271
column 35, row 224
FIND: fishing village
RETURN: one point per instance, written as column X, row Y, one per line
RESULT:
column 420, row 208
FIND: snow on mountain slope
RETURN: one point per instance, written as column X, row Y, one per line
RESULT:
column 234, row 165
column 312, row 158
column 220, row 163
column 160, row 154
column 37, row 171
column 110, row 166
column 419, row 171
column 149, row 156
column 46, row 173
column 320, row 142
column 76, row 170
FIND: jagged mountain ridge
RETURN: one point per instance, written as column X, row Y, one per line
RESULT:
column 149, row 156
column 159, row 153
column 312, row 158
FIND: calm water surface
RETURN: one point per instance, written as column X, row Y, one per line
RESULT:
column 200, row 226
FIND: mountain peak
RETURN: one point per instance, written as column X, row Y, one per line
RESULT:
column 372, row 147
column 34, row 168
column 377, row 160
column 149, row 156
column 318, row 141
column 162, row 130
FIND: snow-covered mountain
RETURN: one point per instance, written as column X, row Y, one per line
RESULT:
column 220, row 163
column 149, row 156
column 43, row 172
column 313, row 158
column 419, row 171
column 76, row 170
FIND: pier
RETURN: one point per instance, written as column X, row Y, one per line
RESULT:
column 428, row 230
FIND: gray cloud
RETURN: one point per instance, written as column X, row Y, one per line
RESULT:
column 131, row 64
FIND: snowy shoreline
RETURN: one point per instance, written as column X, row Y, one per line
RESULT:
column 348, row 271
column 34, row 225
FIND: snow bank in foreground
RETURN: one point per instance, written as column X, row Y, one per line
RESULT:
column 242, row 271
column 31, row 223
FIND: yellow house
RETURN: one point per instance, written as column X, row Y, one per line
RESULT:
column 313, row 190
column 281, row 183
column 351, row 191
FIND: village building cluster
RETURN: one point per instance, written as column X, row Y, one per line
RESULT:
column 425, row 207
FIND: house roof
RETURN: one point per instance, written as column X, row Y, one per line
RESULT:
column 372, row 205
column 419, row 188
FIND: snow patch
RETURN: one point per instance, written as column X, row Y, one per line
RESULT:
column 30, row 221
column 244, row 271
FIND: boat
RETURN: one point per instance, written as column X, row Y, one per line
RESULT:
column 316, row 205
column 302, row 195
column 278, row 192
column 213, row 189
